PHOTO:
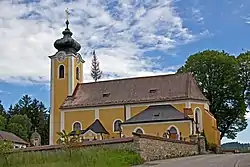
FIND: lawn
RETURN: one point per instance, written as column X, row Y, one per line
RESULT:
column 87, row 157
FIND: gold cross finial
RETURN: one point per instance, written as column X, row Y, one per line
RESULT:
column 67, row 13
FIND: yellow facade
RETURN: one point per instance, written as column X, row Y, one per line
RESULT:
column 78, row 116
column 209, row 124
column 137, row 110
column 108, row 115
column 158, row 129
column 60, row 88
column 179, row 107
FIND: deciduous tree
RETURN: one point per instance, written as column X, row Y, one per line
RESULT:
column 244, row 65
column 218, row 76
column 20, row 125
column 3, row 122
column 37, row 113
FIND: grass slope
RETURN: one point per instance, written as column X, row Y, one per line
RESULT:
column 88, row 157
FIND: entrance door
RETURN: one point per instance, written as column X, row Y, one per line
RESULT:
column 173, row 133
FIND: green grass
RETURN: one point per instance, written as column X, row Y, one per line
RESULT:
column 87, row 157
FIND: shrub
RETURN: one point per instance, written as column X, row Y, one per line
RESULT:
column 5, row 148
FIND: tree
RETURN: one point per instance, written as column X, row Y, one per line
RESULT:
column 244, row 65
column 37, row 113
column 218, row 76
column 18, row 130
column 22, row 107
column 2, row 110
column 3, row 122
column 68, row 141
column 96, row 73
column 19, row 125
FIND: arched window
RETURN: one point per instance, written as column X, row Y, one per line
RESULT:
column 139, row 130
column 173, row 133
column 197, row 115
column 77, row 126
column 77, row 73
column 117, row 126
column 61, row 71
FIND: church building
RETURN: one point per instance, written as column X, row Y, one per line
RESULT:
column 170, row 106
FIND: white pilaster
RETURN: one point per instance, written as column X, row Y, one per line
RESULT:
column 128, row 112
column 70, row 75
column 52, row 78
column 97, row 113
column 187, row 104
column 62, row 120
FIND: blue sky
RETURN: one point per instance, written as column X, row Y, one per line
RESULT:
column 131, row 38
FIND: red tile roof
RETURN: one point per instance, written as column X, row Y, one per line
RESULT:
column 135, row 90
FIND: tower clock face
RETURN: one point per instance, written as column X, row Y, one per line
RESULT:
column 61, row 56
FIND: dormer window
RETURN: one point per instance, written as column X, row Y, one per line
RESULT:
column 156, row 114
column 106, row 94
column 154, row 90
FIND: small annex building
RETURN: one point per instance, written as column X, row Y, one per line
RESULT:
column 10, row 137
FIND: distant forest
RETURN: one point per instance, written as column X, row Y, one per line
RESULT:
column 235, row 145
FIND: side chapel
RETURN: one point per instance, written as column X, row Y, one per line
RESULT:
column 171, row 106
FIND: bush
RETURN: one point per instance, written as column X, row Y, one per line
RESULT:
column 89, row 157
column 5, row 148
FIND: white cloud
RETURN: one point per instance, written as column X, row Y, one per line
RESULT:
column 197, row 15
column 120, row 31
column 248, row 115
column 4, row 92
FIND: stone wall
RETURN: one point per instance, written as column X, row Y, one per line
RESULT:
column 149, row 147
column 157, row 148
column 122, row 143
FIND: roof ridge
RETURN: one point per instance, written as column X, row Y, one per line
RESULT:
column 140, row 77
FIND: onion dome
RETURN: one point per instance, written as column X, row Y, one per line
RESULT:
column 67, row 43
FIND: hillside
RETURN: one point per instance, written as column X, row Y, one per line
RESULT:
column 235, row 145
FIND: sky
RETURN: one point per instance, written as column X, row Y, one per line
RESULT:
column 131, row 38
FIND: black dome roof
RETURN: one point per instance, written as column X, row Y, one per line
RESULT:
column 67, row 43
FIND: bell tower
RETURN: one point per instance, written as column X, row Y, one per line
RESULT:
column 66, row 72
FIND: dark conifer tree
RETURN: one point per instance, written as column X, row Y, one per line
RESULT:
column 96, row 73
